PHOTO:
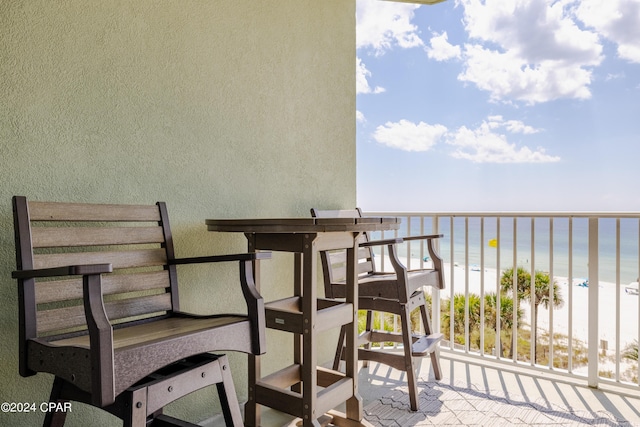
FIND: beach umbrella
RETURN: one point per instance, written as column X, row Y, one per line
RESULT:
column 493, row 243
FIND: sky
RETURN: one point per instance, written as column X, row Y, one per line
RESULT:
column 498, row 105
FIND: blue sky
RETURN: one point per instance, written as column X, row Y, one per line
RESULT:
column 498, row 105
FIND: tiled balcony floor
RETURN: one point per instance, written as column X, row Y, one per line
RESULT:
column 471, row 394
column 487, row 394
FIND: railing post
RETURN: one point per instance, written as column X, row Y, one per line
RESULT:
column 435, row 292
column 592, row 378
column 467, row 344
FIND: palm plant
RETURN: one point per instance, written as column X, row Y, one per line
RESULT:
column 459, row 310
column 506, row 316
column 542, row 292
column 490, row 316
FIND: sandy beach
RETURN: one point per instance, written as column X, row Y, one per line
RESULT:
column 574, row 296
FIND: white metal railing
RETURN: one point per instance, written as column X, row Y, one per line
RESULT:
column 590, row 258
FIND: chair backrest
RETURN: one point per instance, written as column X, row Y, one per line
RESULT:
column 334, row 263
column 135, row 239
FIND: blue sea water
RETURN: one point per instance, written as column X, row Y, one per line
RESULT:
column 550, row 248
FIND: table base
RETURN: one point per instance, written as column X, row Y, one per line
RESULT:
column 332, row 418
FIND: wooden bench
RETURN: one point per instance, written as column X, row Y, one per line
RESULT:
column 99, row 309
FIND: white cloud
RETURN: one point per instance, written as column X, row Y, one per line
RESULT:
column 360, row 117
column 362, row 83
column 381, row 25
column 617, row 20
column 440, row 49
column 408, row 136
column 513, row 126
column 614, row 76
column 528, row 50
column 508, row 77
column 486, row 145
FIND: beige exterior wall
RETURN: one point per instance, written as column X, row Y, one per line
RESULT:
column 227, row 108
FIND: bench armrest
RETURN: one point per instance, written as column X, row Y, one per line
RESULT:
column 433, row 253
column 98, row 325
column 397, row 265
column 255, row 307
column 251, row 256
column 424, row 237
column 69, row 270
column 253, row 299
column 397, row 240
column 392, row 241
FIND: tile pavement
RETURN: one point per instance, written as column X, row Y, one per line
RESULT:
column 458, row 404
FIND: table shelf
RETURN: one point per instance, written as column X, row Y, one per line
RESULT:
column 286, row 314
column 274, row 390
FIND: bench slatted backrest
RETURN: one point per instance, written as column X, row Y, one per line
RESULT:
column 135, row 239
column 334, row 263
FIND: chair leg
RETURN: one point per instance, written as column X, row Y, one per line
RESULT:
column 435, row 356
column 407, row 343
column 368, row 328
column 54, row 418
column 435, row 364
column 228, row 397
column 426, row 322
column 341, row 339
column 340, row 348
column 135, row 402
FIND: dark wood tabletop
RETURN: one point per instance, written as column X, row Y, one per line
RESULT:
column 303, row 225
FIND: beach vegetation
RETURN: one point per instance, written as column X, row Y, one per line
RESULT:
column 459, row 316
column 502, row 323
column 631, row 351
column 501, row 345
column 606, row 373
column 560, row 351
column 543, row 292
column 580, row 353
column 472, row 306
column 388, row 322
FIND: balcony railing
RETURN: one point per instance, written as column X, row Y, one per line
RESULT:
column 585, row 304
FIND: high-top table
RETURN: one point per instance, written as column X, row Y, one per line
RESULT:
column 304, row 389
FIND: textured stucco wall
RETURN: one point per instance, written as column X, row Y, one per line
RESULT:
column 227, row 108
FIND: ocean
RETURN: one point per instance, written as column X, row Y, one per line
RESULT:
column 545, row 254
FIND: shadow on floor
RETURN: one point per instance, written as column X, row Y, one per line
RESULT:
column 479, row 395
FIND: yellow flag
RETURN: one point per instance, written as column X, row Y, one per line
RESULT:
column 493, row 243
